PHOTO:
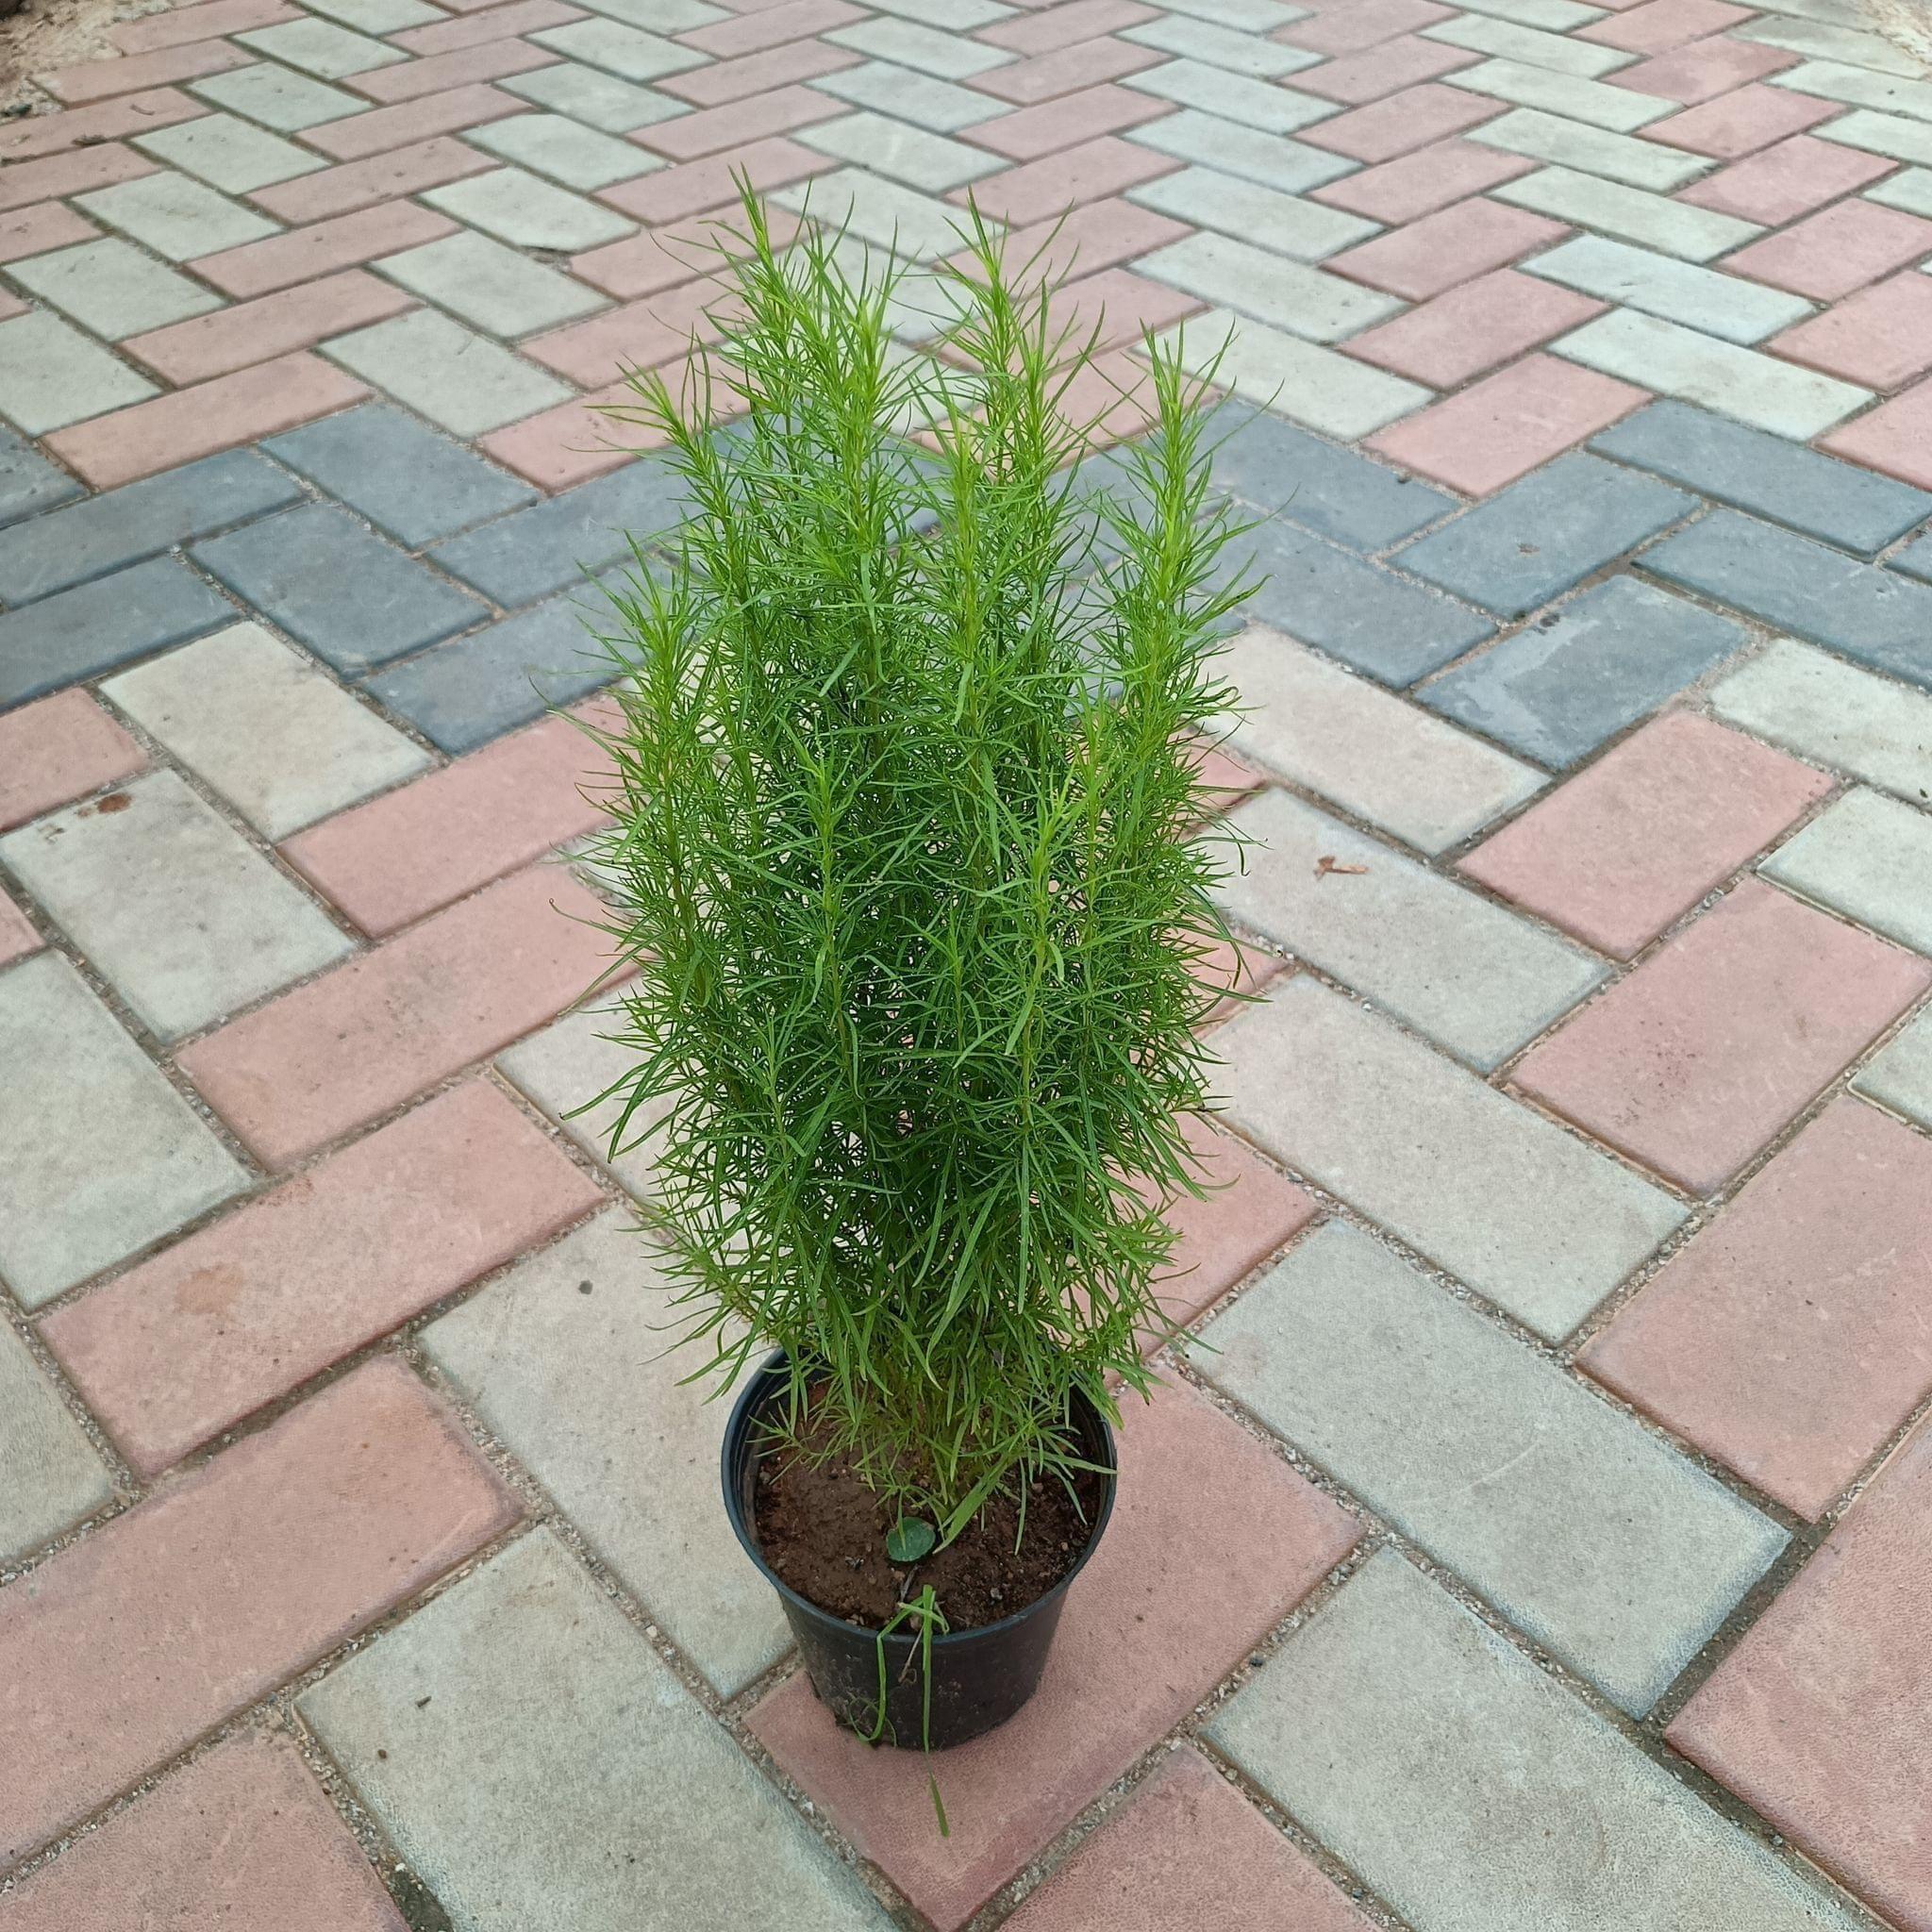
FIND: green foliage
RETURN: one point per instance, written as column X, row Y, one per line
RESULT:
column 905, row 855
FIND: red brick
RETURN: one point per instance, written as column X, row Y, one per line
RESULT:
column 1111, row 398
column 1789, row 1339
column 1631, row 844
column 570, row 442
column 1253, row 1208
column 74, row 128
column 1880, row 336
column 1420, row 183
column 241, row 1837
column 1359, row 78
column 1213, row 1541
column 358, row 136
column 1066, row 70
column 11, row 304
column 168, row 430
column 711, row 131
column 380, row 178
column 1116, row 309
column 35, row 230
column 1787, row 180
column 695, row 188
column 1472, row 328
column 478, row 29
column 657, row 328
column 1102, row 234
column 756, row 73
column 23, row 182
column 1703, row 69
column 1187, row 1849
column 1415, row 118
column 57, row 750
column 257, row 268
column 1031, row 132
column 680, row 252
column 1658, row 25
column 17, row 935
column 133, row 1643
column 1821, row 1717
column 771, row 27
column 1503, row 426
column 1444, row 249
column 205, row 22
column 413, row 79
column 1704, row 1052
column 1365, row 24
column 1741, row 122
column 1896, row 436
column 381, row 1028
column 1054, row 28
column 436, row 839
column 100, row 80
column 1094, row 171
column 1836, row 251
column 233, row 338
column 196, row 1340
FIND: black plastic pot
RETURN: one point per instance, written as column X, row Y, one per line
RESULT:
column 979, row 1677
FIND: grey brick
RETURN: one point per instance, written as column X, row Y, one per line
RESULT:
column 597, row 100
column 1259, row 103
column 111, row 621
column 1769, row 475
column 1900, row 1078
column 175, row 910
column 54, row 1476
column 28, row 482
column 1586, row 1531
column 112, row 288
column 521, row 558
column 99, row 1156
column 1471, row 1790
column 1869, row 857
column 51, row 374
column 1873, row 615
column 1558, row 688
column 350, row 597
column 1282, row 471
column 1545, row 534
column 538, row 1764
column 534, row 1345
column 1392, row 629
column 461, row 694
column 139, row 521
column 1477, row 979
column 1915, row 559
column 277, row 98
column 1529, row 1216
column 1273, row 160
column 399, row 474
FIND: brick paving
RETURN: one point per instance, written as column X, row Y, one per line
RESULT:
column 1532, row 1530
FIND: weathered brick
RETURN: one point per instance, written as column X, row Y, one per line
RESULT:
column 384, row 1026
column 1586, row 1531
column 1397, row 1726
column 1700, row 1057
column 1818, row 1718
column 133, row 1643
column 416, row 849
column 1633, row 842
column 1527, row 1215
column 192, row 1342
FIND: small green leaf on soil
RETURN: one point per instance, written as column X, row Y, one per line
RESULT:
column 909, row 1539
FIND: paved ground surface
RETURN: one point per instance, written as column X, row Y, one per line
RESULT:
column 1541, row 1533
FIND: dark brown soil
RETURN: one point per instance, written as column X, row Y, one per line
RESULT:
column 824, row 1533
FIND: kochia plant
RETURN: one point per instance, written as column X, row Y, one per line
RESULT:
column 906, row 854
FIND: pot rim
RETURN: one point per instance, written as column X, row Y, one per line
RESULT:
column 758, row 1385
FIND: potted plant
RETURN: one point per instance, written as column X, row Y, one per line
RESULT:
column 905, row 854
